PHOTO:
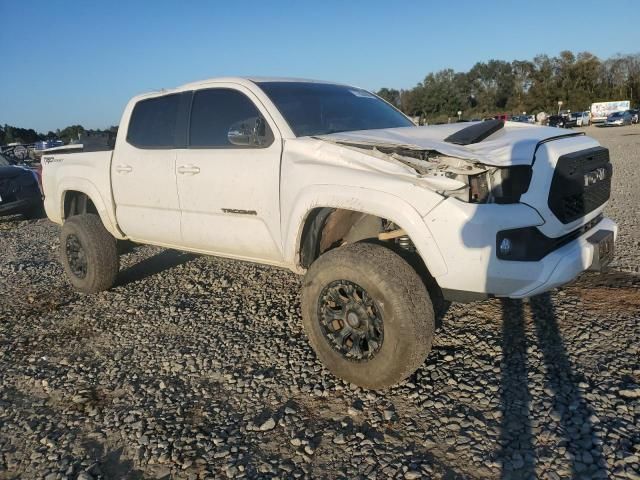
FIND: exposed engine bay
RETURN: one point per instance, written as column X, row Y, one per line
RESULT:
column 449, row 176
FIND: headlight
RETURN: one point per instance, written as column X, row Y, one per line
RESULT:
column 499, row 185
column 478, row 183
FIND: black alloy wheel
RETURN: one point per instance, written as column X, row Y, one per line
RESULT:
column 350, row 320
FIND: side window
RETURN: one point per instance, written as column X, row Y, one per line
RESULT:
column 154, row 123
column 226, row 118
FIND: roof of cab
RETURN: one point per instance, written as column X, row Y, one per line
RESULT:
column 246, row 81
column 243, row 80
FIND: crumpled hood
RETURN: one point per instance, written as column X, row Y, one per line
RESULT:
column 515, row 144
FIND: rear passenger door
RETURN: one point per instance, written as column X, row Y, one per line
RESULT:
column 143, row 170
column 228, row 184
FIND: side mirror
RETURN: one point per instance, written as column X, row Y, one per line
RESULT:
column 250, row 132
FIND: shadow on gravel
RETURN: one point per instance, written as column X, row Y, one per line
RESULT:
column 569, row 409
column 114, row 465
column 158, row 263
column 568, row 403
column 111, row 464
column 515, row 432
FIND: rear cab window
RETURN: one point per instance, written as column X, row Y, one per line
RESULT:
column 159, row 122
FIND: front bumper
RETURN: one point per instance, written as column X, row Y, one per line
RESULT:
column 565, row 264
column 466, row 237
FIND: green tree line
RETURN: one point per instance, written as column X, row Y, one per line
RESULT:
column 11, row 134
column 531, row 86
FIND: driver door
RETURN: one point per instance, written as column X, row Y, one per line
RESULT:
column 229, row 193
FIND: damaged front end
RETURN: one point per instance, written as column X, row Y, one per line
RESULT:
column 466, row 180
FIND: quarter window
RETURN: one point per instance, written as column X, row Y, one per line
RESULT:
column 226, row 118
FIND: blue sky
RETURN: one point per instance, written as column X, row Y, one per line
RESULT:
column 78, row 62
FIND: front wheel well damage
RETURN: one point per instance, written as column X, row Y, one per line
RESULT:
column 327, row 228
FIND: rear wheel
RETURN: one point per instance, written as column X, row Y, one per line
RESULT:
column 88, row 253
column 367, row 314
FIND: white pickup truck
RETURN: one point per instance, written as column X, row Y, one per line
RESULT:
column 381, row 216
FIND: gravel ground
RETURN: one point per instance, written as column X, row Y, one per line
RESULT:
column 195, row 367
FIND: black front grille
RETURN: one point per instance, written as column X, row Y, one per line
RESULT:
column 581, row 183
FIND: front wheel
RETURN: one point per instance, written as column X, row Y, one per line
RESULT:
column 367, row 314
column 88, row 253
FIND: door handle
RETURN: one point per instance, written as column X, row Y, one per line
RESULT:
column 124, row 168
column 188, row 169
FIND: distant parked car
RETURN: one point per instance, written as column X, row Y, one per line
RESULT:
column 584, row 120
column 557, row 121
column 19, row 190
column 635, row 113
column 571, row 119
column 44, row 144
column 577, row 119
column 619, row 118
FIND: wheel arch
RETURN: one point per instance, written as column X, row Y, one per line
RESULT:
column 77, row 203
column 314, row 205
column 87, row 195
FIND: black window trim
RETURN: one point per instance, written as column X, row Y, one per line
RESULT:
column 222, row 147
column 183, row 123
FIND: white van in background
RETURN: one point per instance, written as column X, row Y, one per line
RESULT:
column 601, row 110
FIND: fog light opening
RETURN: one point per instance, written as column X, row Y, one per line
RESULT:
column 505, row 247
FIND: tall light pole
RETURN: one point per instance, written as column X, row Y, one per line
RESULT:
column 459, row 115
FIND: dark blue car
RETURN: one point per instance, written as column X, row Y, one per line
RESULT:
column 19, row 190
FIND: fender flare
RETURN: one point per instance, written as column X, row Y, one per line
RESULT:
column 82, row 185
column 363, row 200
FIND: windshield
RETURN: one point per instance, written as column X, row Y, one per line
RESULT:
column 321, row 108
column 616, row 114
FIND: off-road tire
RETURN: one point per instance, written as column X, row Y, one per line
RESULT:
column 99, row 246
column 407, row 313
